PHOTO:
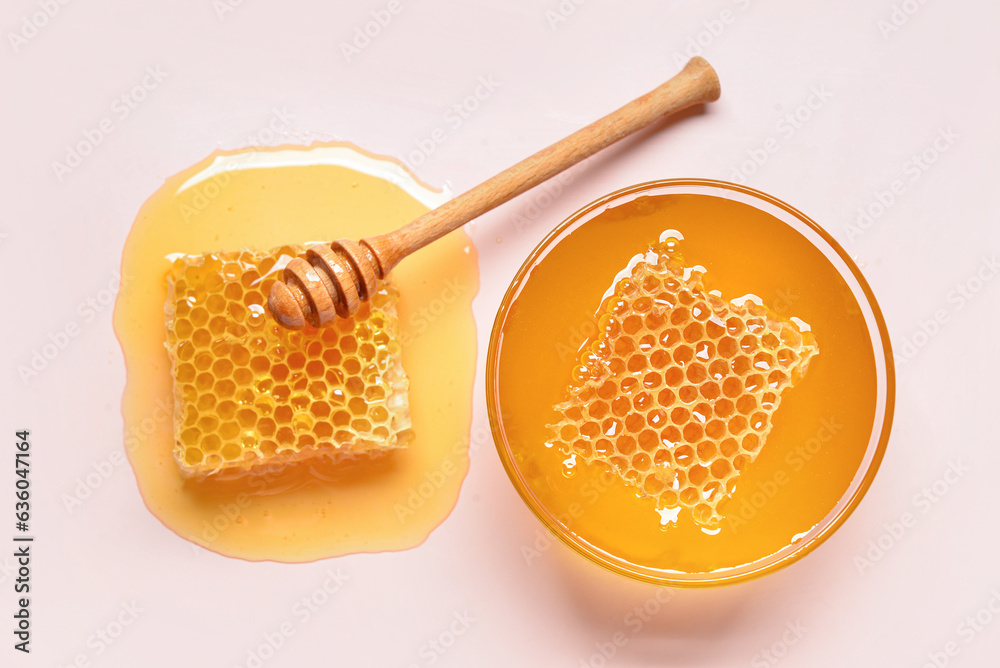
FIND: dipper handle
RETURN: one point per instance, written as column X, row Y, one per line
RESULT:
column 333, row 280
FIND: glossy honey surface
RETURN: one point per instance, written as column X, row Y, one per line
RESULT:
column 819, row 434
column 303, row 512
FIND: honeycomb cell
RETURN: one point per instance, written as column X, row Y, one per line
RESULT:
column 688, row 394
column 746, row 404
column 625, row 445
column 669, row 337
column 718, row 369
column 678, row 387
column 300, row 401
column 683, row 354
column 698, row 475
column 208, row 424
column 247, row 417
column 228, row 431
column 737, row 425
column 283, row 414
column 285, row 437
column 710, row 390
column 199, row 317
column 728, row 347
column 715, row 429
column 724, row 408
column 632, row 324
column 652, row 380
column 183, row 329
column 655, row 320
column 210, row 443
column 218, row 325
column 732, row 387
column 642, row 304
column 621, row 406
column 233, row 292
column 184, row 373
column 215, row 303
column 243, row 377
column 637, row 363
column 696, row 374
column 190, row 436
column 222, row 368
column 673, row 376
column 656, row 418
column 303, row 422
column 729, row 447
column 652, row 486
column 714, row 328
column 786, row 357
column 707, row 451
column 296, row 361
column 642, row 401
column 252, row 397
column 240, row 355
column 635, row 422
column 222, row 388
column 694, row 332
column 693, row 432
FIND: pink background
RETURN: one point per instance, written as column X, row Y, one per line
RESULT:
column 885, row 98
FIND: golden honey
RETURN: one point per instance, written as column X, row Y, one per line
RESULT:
column 677, row 391
column 748, row 480
column 234, row 213
column 252, row 396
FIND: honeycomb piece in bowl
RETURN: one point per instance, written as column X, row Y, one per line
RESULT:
column 677, row 391
column 251, row 396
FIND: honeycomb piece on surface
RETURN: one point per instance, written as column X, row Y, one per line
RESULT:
column 251, row 396
column 677, row 391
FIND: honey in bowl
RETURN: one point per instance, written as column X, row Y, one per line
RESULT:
column 689, row 382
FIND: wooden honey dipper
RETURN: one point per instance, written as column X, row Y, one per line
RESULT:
column 332, row 280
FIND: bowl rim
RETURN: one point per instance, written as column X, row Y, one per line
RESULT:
column 839, row 513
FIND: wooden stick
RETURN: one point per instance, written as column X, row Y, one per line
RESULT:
column 333, row 280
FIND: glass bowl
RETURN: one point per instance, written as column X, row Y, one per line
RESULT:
column 884, row 375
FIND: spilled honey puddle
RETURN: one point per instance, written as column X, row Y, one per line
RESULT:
column 268, row 198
